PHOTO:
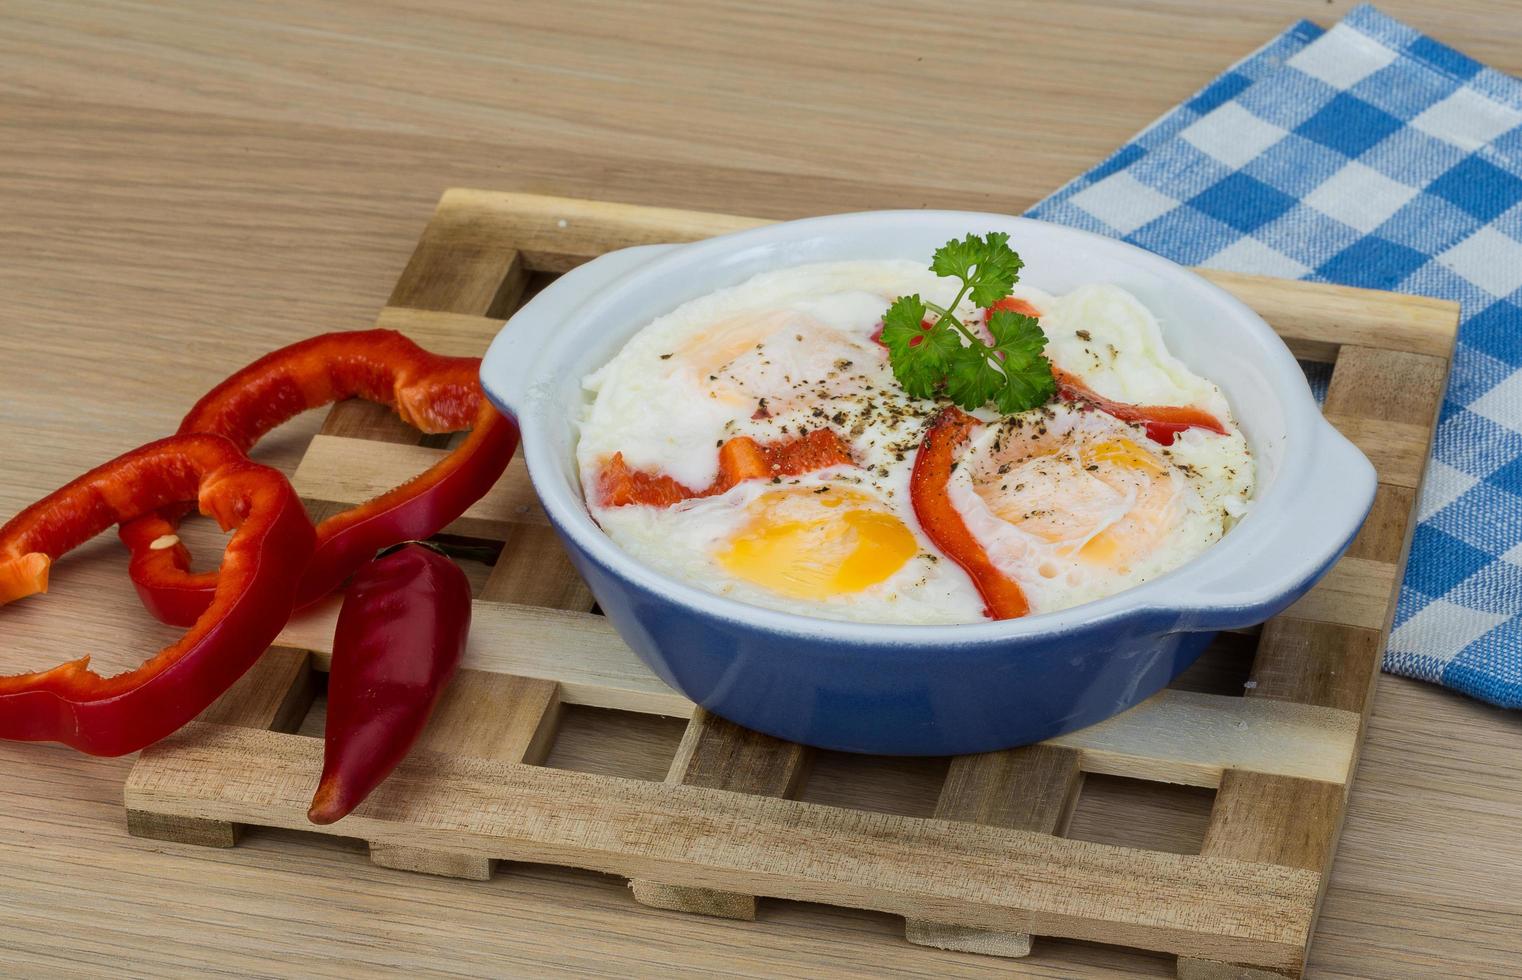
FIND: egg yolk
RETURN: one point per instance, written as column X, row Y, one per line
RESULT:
column 805, row 544
column 1105, row 501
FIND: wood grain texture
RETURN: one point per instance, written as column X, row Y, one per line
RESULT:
column 551, row 581
column 355, row 418
column 1377, row 397
column 1397, row 449
column 945, row 871
column 453, row 283
column 1175, row 736
column 1334, row 316
column 1387, row 528
column 1355, row 592
column 192, row 185
column 447, row 298
column 1274, row 820
column 480, row 716
column 453, row 334
column 1387, row 385
column 718, row 754
column 1316, row 663
column 275, row 694
column 347, row 472
column 1032, row 788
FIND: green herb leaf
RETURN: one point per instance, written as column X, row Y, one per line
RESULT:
column 1018, row 343
column 928, row 357
column 987, row 265
column 918, row 355
column 970, row 382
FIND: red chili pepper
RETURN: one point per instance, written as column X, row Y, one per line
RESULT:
column 429, row 391
column 928, row 491
column 740, row 459
column 400, row 636
column 113, row 715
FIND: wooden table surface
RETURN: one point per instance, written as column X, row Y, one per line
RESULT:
column 187, row 184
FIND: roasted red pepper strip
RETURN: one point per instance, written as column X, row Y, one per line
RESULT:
column 1014, row 306
column 400, row 636
column 273, row 538
column 928, row 491
column 1162, row 422
column 740, row 459
column 433, row 393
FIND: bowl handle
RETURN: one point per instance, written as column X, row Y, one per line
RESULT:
column 508, row 370
column 1287, row 561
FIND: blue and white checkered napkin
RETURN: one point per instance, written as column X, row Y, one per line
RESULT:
column 1371, row 155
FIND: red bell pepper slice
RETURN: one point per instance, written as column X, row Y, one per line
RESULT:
column 271, row 543
column 431, row 392
column 400, row 635
column 1162, row 422
column 929, row 493
column 740, row 459
column 1014, row 305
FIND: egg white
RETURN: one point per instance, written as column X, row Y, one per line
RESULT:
column 666, row 409
column 1055, row 575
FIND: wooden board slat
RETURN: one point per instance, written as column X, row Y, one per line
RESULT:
column 1384, row 385
column 275, row 694
column 580, row 650
column 1316, row 663
column 1275, row 820
column 1387, row 402
column 355, row 418
column 1192, row 739
column 481, row 716
column 1355, row 592
column 1032, row 788
column 1387, row 527
column 1398, row 450
column 989, row 877
column 718, row 754
column 452, row 276
column 451, row 334
column 348, row 472
column 547, row 580
column 1323, row 318
column 1176, row 736
column 555, row 234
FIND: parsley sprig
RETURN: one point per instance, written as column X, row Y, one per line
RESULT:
column 929, row 356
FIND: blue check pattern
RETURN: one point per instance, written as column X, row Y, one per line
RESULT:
column 1370, row 155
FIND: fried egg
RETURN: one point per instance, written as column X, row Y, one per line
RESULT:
column 1068, row 501
column 1076, row 505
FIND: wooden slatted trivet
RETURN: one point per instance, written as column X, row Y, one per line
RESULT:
column 991, row 868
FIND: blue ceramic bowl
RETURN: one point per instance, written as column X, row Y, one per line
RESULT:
column 935, row 690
